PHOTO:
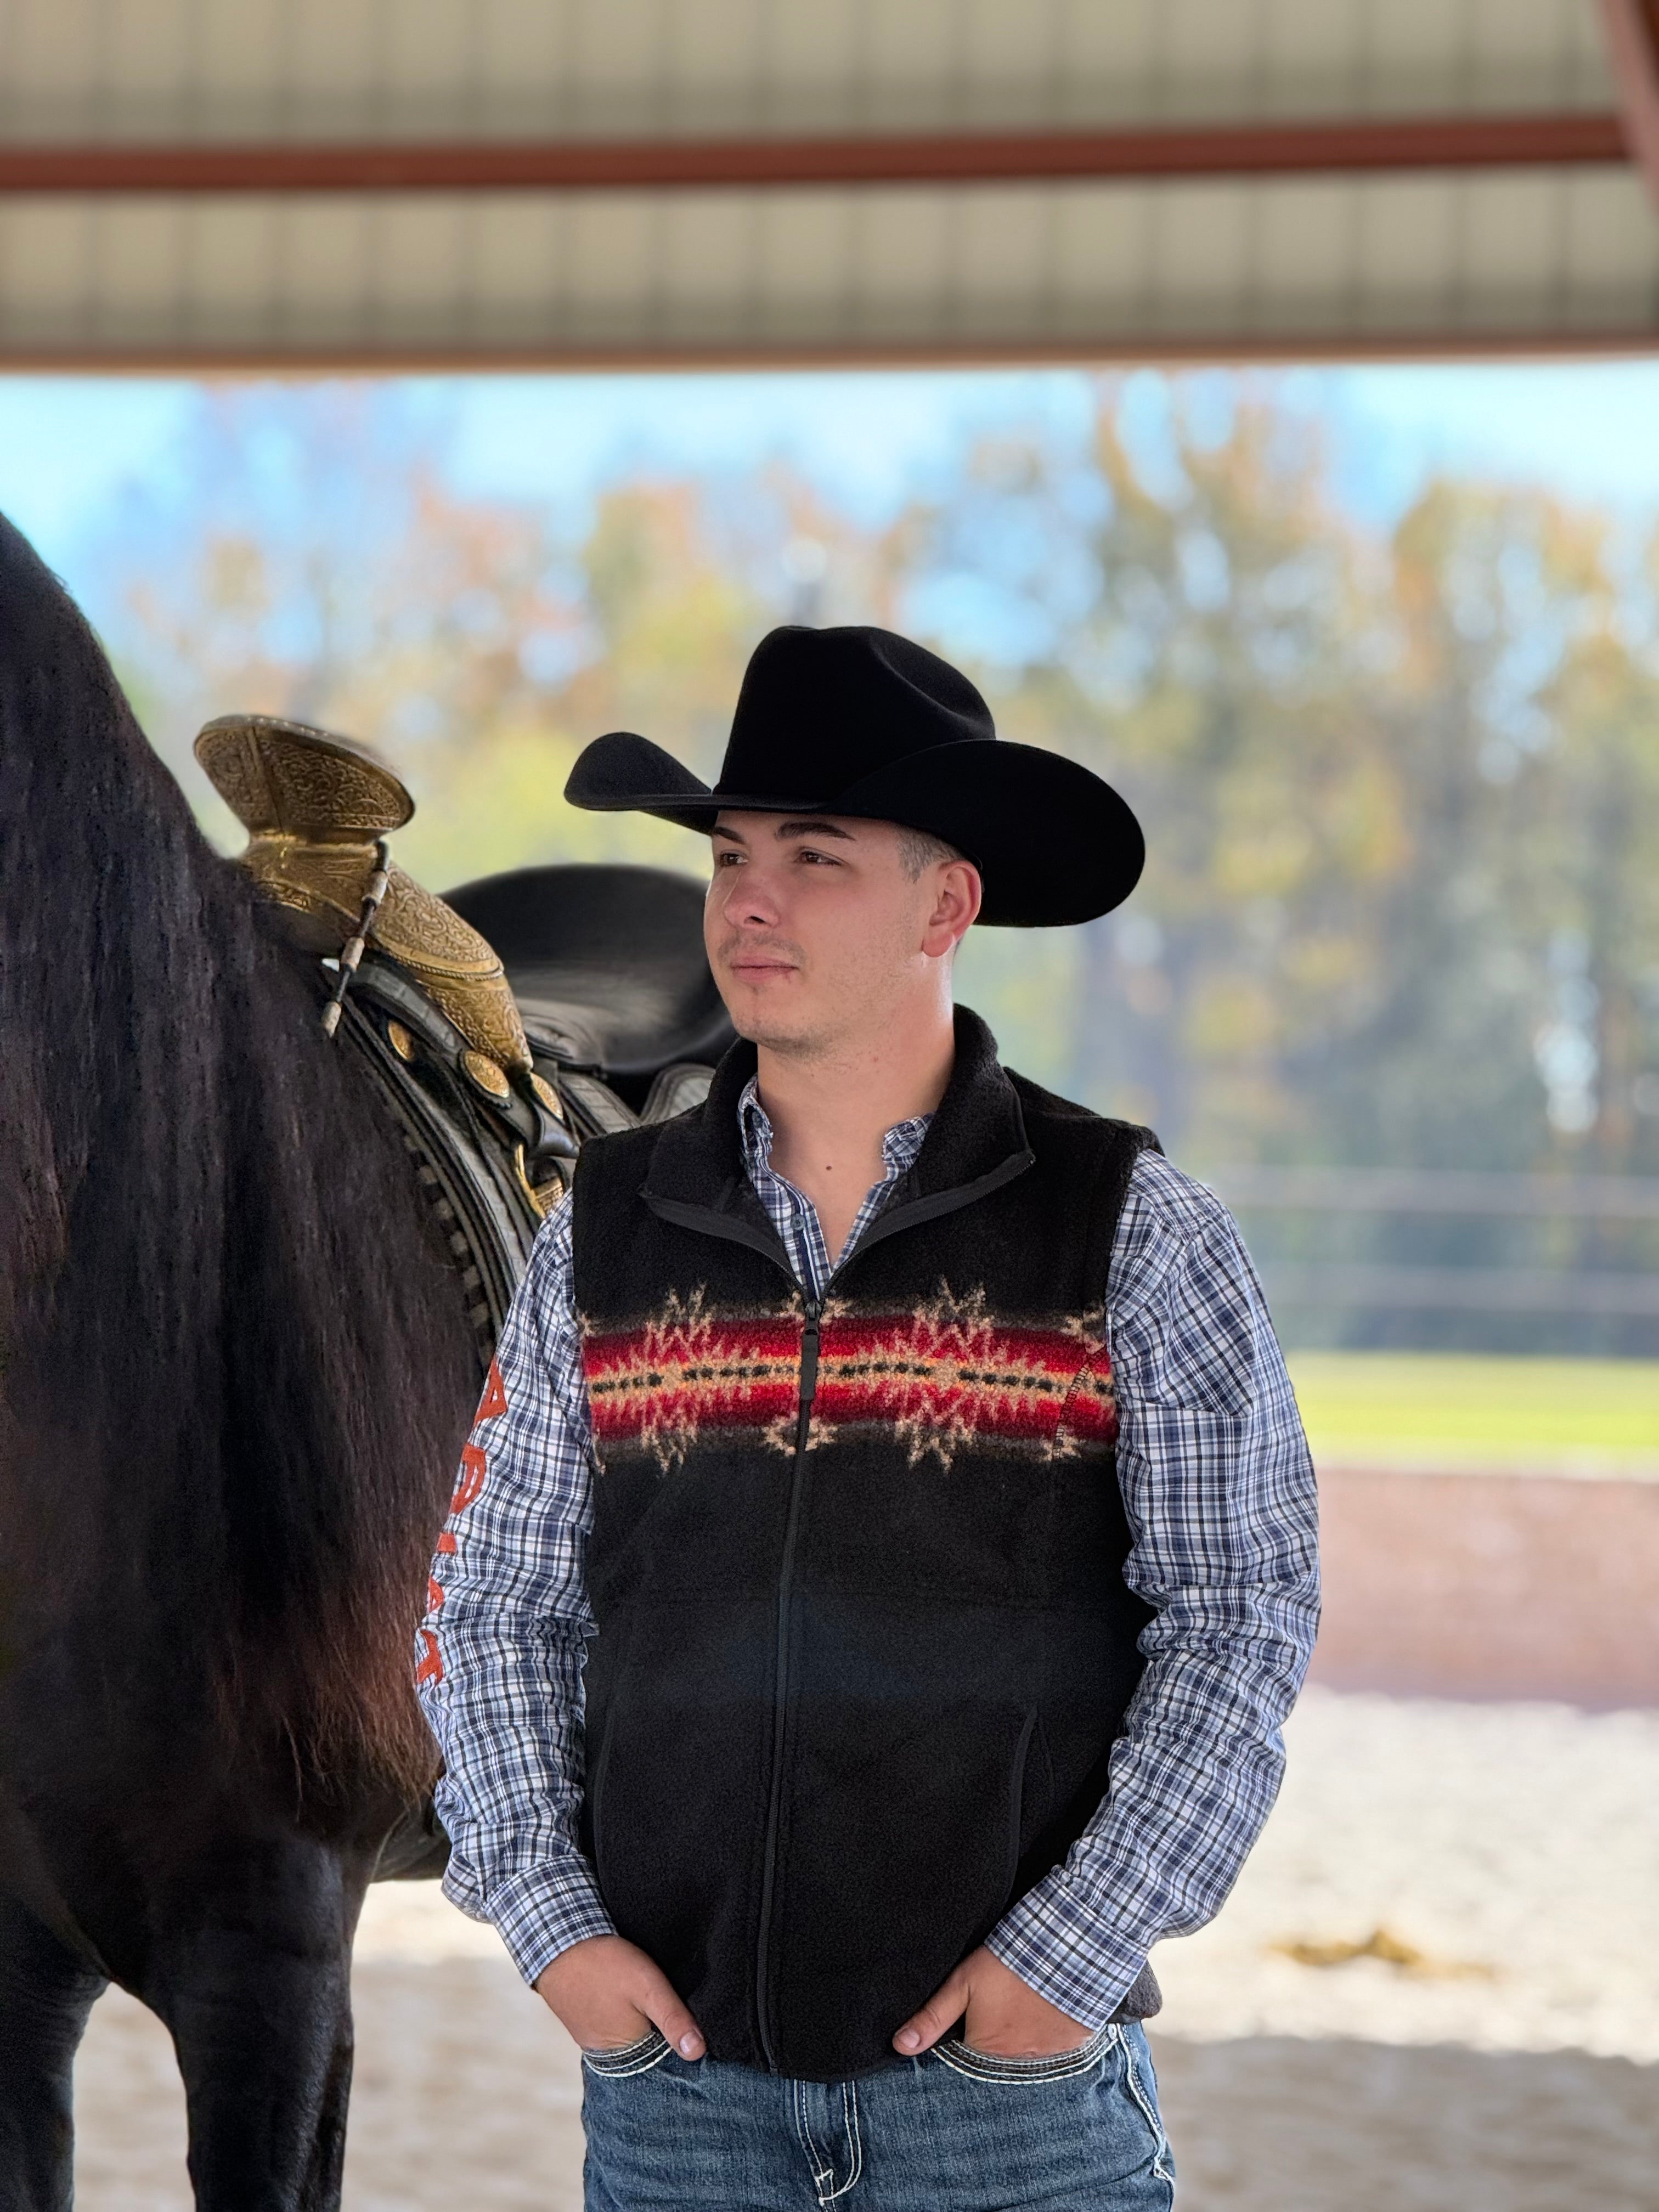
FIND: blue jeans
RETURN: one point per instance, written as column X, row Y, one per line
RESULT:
column 951, row 2131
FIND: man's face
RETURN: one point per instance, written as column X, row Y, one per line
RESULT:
column 816, row 932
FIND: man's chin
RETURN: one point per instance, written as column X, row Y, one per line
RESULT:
column 768, row 1034
column 770, row 1028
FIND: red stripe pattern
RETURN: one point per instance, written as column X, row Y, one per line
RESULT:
column 939, row 1379
column 474, row 1468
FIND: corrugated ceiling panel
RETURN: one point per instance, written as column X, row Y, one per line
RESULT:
column 1407, row 260
column 669, row 274
column 517, row 265
column 805, row 253
column 707, row 266
column 612, row 258
column 1194, row 258
column 312, row 68
column 1097, row 265
column 896, row 276
column 146, row 56
column 43, row 274
column 613, row 64
column 138, row 270
column 523, row 42
column 991, row 47
column 49, row 65
column 1608, row 246
column 1227, row 53
column 694, row 65
column 233, row 255
column 1305, row 251
column 430, row 57
column 243, row 58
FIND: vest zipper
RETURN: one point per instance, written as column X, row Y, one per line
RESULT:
column 809, row 1385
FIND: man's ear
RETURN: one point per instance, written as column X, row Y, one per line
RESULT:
column 958, row 894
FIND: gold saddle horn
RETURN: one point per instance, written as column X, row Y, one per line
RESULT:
column 316, row 807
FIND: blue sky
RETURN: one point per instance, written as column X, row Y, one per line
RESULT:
column 68, row 445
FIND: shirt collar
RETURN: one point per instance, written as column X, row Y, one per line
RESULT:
column 899, row 1147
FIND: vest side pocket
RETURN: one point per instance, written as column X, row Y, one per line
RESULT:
column 604, row 1684
column 1018, row 1799
column 596, row 1791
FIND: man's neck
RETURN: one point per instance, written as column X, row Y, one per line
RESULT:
column 829, row 1112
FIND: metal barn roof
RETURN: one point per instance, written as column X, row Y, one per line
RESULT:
column 271, row 182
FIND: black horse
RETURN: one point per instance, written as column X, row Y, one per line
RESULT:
column 236, row 1366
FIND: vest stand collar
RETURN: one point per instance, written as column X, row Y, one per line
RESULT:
column 976, row 1143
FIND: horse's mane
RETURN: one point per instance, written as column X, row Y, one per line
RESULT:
column 234, row 1368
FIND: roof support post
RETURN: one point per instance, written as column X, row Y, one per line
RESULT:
column 1633, row 34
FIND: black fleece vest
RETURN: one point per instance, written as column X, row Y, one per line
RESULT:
column 863, row 1639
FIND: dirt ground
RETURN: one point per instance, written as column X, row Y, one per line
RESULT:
column 1500, row 2055
column 466, row 2102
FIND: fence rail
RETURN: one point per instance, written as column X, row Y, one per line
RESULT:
column 1439, row 1190
column 1447, row 1193
column 1459, row 1290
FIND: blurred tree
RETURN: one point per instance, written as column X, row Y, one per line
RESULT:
column 308, row 559
column 1595, row 881
column 1397, row 794
column 1221, row 668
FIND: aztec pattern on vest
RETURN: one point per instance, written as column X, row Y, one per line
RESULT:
column 858, row 1674
column 939, row 1378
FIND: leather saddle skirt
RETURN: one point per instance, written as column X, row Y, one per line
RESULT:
column 607, row 967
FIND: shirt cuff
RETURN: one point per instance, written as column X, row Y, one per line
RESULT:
column 1061, row 1948
column 542, row 1912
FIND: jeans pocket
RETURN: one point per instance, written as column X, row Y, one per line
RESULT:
column 636, row 2058
column 1058, row 2066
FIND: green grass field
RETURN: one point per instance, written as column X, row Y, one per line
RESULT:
column 1451, row 1411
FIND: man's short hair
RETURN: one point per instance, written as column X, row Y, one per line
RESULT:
column 919, row 851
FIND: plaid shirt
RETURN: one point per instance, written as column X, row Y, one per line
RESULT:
column 1219, row 1494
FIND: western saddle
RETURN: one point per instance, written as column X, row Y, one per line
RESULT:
column 504, row 1022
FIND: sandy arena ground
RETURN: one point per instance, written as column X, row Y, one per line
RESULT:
column 1501, row 2056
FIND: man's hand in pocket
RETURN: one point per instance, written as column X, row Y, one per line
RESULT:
column 608, row 1993
column 1001, row 2015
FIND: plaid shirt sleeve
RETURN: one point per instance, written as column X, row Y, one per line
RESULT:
column 499, row 1656
column 1218, row 1489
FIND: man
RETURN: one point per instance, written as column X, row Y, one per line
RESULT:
column 909, row 1452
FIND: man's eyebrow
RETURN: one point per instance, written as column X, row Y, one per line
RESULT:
column 719, row 830
column 812, row 828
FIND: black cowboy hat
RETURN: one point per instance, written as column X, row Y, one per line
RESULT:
column 859, row 721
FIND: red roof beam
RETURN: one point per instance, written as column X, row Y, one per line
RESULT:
column 1548, row 139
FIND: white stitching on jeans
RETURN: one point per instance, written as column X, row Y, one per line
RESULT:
column 821, row 2172
column 636, row 2058
column 1149, row 2113
column 849, row 2115
column 1023, row 2073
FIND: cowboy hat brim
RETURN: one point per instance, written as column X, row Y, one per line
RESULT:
column 1053, row 843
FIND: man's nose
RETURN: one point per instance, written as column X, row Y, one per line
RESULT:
column 750, row 897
